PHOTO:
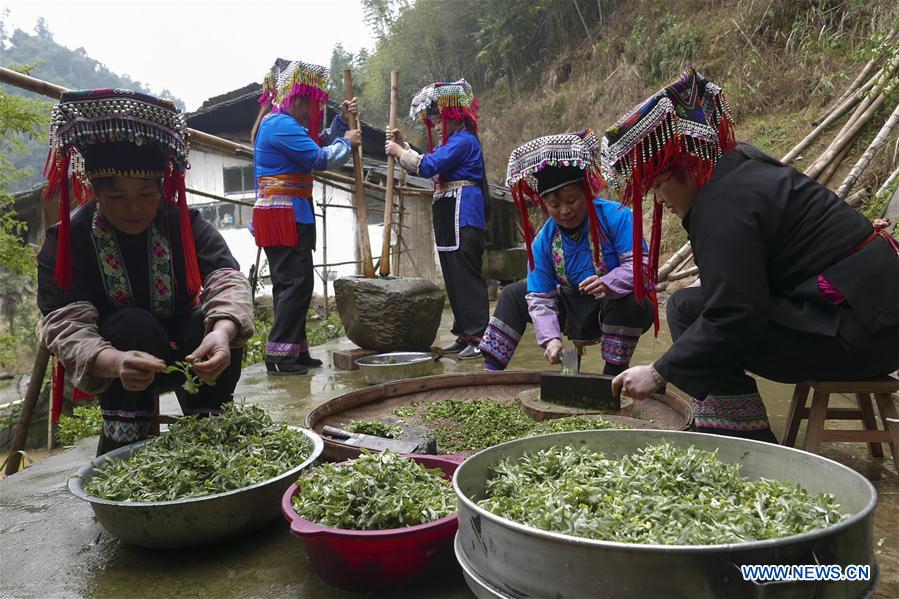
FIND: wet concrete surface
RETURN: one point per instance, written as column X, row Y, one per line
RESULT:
column 50, row 545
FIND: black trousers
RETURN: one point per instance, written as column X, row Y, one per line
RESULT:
column 622, row 321
column 465, row 285
column 727, row 396
column 127, row 414
column 292, row 284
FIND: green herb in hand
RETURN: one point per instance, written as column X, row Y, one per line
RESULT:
column 192, row 382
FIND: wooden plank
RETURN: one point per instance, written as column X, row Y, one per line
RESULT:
column 866, row 406
column 884, row 385
column 795, row 414
column 890, row 422
column 853, row 436
column 816, row 420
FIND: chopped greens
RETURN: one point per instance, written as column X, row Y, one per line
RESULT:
column 204, row 456
column 659, row 494
column 406, row 411
column 376, row 491
column 376, row 428
column 476, row 424
column 192, row 382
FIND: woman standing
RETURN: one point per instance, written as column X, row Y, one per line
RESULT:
column 133, row 280
column 288, row 146
column 581, row 276
column 796, row 285
column 459, row 202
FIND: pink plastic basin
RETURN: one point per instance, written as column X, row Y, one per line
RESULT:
column 372, row 559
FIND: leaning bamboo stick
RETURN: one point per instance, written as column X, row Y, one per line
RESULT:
column 856, row 198
column 825, row 177
column 888, row 182
column 689, row 272
column 830, row 119
column 384, row 269
column 676, row 259
column 869, row 153
column 852, row 88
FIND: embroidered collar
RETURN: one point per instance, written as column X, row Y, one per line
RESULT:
column 114, row 273
column 558, row 255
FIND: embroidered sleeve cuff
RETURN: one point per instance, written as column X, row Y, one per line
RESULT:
column 71, row 333
column 409, row 160
column 227, row 294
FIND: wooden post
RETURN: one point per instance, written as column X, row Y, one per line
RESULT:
column 384, row 270
column 401, row 209
column 368, row 268
column 38, row 370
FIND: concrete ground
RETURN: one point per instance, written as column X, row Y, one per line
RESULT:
column 50, row 545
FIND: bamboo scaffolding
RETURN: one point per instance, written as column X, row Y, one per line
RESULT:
column 384, row 268
column 863, row 162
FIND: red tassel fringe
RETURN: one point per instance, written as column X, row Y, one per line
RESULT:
column 275, row 227
column 191, row 267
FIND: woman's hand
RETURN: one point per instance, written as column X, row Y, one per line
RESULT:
column 213, row 355
column 354, row 136
column 349, row 108
column 397, row 136
column 594, row 286
column 394, row 149
column 553, row 351
column 637, row 382
column 137, row 369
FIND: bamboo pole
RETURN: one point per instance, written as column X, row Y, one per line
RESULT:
column 368, row 269
column 855, row 200
column 830, row 119
column 869, row 153
column 845, row 139
column 889, row 181
column 384, row 269
column 676, row 259
column 865, row 72
column 689, row 272
column 830, row 171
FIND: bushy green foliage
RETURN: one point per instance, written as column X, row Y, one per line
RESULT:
column 85, row 421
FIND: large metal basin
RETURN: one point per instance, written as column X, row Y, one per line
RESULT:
column 395, row 366
column 189, row 522
column 502, row 558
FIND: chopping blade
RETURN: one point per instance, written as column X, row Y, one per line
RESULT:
column 369, row 441
column 570, row 362
column 585, row 391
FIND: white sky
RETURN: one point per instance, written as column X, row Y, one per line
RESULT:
column 197, row 48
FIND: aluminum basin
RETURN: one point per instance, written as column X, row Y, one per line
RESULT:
column 394, row 366
column 507, row 559
column 194, row 521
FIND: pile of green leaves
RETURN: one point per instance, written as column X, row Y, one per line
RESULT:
column 376, row 491
column 204, row 456
column 474, row 425
column 659, row 494
column 575, row 423
column 85, row 421
column 376, row 428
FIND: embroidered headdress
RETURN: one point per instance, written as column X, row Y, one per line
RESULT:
column 547, row 164
column 117, row 133
column 289, row 79
column 448, row 101
column 686, row 123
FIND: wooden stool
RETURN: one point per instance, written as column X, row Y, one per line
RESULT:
column 815, row 432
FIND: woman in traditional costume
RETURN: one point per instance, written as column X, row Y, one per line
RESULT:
column 796, row 285
column 134, row 280
column 288, row 145
column 458, row 209
column 581, row 269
